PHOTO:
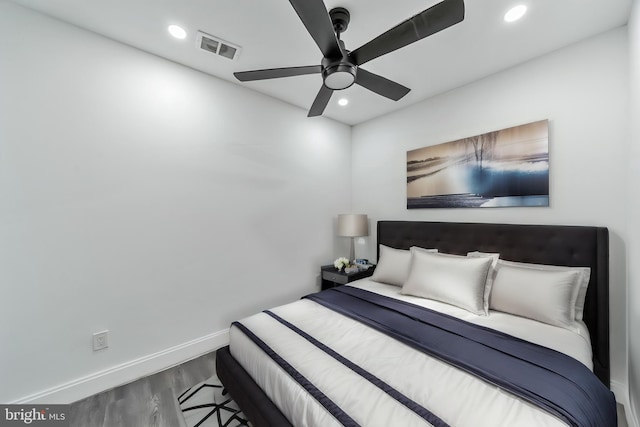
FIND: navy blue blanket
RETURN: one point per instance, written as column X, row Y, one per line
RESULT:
column 551, row 380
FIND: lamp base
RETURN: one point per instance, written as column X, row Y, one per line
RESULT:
column 352, row 251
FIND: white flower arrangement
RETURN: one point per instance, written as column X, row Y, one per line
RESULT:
column 341, row 263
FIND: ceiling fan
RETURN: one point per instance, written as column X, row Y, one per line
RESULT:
column 340, row 68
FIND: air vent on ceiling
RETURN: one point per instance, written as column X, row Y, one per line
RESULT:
column 217, row 46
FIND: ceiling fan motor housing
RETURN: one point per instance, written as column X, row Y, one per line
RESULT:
column 339, row 73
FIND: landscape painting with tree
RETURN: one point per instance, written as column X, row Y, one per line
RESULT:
column 508, row 167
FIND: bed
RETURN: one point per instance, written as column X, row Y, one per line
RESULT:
column 328, row 390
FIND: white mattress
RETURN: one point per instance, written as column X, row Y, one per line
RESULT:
column 458, row 398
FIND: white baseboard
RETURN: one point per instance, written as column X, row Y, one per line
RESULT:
column 127, row 372
column 620, row 391
column 632, row 417
column 622, row 397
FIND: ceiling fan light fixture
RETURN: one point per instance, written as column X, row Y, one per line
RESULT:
column 515, row 13
column 339, row 76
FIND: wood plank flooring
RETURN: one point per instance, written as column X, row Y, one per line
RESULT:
column 149, row 401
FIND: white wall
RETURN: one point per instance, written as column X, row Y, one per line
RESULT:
column 145, row 198
column 633, row 254
column 582, row 90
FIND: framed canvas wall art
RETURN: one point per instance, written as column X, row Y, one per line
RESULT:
column 508, row 167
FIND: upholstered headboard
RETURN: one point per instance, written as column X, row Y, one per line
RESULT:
column 541, row 244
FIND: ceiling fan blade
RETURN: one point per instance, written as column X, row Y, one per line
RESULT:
column 380, row 85
column 321, row 101
column 315, row 18
column 428, row 22
column 275, row 73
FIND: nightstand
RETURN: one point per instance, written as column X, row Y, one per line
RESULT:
column 331, row 277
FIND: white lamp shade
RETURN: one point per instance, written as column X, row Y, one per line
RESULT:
column 353, row 225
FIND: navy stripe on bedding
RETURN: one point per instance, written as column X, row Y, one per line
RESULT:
column 409, row 403
column 548, row 379
column 325, row 401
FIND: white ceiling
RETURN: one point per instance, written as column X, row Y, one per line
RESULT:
column 271, row 35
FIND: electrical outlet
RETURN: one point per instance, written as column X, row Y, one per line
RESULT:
column 100, row 340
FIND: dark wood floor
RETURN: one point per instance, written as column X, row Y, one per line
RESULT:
column 148, row 402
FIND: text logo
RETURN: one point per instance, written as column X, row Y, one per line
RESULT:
column 34, row 415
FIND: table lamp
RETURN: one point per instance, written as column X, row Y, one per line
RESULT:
column 353, row 225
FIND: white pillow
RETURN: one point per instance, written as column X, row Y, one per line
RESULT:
column 490, row 275
column 453, row 279
column 580, row 292
column 413, row 249
column 543, row 295
column 393, row 265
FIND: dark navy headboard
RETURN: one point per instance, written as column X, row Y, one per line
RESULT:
column 575, row 246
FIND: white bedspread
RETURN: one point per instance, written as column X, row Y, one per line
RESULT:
column 458, row 398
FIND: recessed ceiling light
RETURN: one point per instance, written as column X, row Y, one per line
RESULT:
column 177, row 31
column 515, row 13
column 343, row 101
